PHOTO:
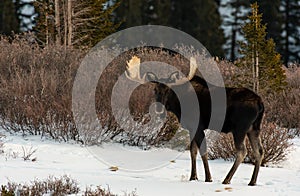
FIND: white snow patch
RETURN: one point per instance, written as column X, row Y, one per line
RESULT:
column 58, row 159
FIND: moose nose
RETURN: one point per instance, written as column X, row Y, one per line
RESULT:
column 157, row 111
column 159, row 108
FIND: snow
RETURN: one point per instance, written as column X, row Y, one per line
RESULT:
column 158, row 172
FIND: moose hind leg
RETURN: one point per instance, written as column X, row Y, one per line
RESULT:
column 258, row 151
column 193, row 152
column 241, row 152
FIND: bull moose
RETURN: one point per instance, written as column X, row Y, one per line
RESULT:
column 244, row 113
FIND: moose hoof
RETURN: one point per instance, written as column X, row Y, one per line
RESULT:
column 208, row 180
column 193, row 178
column 226, row 182
column 252, row 184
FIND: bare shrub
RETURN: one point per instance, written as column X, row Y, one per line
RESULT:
column 234, row 76
column 97, row 192
column 56, row 187
column 276, row 144
column 35, row 88
column 36, row 92
column 283, row 109
column 53, row 186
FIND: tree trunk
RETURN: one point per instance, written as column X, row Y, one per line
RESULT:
column 64, row 6
column 233, row 36
column 46, row 29
column 70, row 27
column 257, row 71
column 57, row 22
column 287, row 31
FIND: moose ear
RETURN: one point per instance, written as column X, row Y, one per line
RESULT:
column 174, row 77
column 151, row 77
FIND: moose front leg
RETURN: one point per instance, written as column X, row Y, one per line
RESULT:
column 206, row 168
column 193, row 152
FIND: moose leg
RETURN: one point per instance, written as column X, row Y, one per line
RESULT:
column 201, row 143
column 206, row 168
column 258, row 153
column 193, row 152
column 241, row 152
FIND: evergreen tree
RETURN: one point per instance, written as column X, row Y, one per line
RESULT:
column 130, row 13
column 199, row 18
column 234, row 19
column 9, row 21
column 157, row 12
column 25, row 17
column 291, row 31
column 202, row 20
column 273, row 18
column 259, row 54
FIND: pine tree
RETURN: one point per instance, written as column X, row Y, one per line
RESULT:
column 273, row 18
column 234, row 19
column 199, row 18
column 202, row 20
column 25, row 13
column 291, row 31
column 130, row 13
column 157, row 12
column 9, row 21
column 260, row 55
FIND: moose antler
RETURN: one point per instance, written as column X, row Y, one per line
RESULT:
column 133, row 70
column 193, row 69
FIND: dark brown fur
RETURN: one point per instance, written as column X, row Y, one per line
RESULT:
column 244, row 113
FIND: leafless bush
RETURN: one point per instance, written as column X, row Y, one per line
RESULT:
column 53, row 186
column 56, row 187
column 234, row 76
column 283, row 109
column 35, row 88
column 276, row 144
column 97, row 192
column 36, row 92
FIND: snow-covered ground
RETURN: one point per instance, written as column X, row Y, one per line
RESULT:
column 58, row 159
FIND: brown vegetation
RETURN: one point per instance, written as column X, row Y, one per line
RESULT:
column 54, row 186
column 36, row 96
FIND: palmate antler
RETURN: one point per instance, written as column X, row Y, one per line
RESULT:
column 133, row 72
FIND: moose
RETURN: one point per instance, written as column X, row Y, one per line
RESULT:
column 244, row 113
